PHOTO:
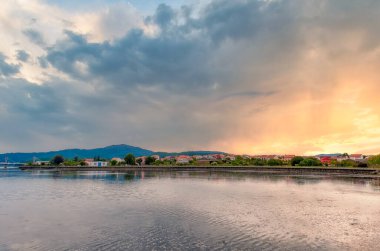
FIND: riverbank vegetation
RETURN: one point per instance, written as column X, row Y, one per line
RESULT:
column 374, row 161
column 131, row 160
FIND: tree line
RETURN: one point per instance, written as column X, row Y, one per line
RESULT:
column 131, row 160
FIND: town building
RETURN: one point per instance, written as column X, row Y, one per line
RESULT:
column 198, row 157
column 357, row 156
column 97, row 163
column 203, row 162
column 219, row 156
column 266, row 157
column 342, row 157
column 326, row 160
column 288, row 157
column 183, row 159
column 230, row 157
column 41, row 163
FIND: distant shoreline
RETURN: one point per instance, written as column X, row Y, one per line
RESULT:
column 259, row 169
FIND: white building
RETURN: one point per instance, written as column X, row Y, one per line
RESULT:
column 183, row 161
column 356, row 156
column 97, row 163
column 41, row 163
column 231, row 157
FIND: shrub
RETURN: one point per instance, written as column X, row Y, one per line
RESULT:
column 347, row 163
column 296, row 160
column 310, row 162
column 274, row 162
column 374, row 160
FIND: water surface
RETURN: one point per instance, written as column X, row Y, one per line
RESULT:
column 187, row 211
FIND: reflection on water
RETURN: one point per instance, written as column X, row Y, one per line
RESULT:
column 112, row 177
column 197, row 210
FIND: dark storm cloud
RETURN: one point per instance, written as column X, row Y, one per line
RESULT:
column 179, row 57
column 46, row 101
column 7, row 69
column 187, row 53
column 22, row 55
column 33, row 100
column 135, row 59
column 39, row 113
column 232, row 19
column 164, row 15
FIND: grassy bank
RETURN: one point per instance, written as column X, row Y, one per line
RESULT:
column 269, row 169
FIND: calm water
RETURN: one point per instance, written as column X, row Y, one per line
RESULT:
column 186, row 211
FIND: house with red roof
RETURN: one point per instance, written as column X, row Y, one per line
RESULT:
column 183, row 159
column 357, row 156
column 326, row 160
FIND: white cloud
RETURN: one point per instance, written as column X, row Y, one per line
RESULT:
column 109, row 23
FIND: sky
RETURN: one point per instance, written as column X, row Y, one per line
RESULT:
column 242, row 76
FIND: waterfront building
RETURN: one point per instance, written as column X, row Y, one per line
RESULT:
column 326, row 160
column 203, row 162
column 183, row 159
column 288, row 157
column 231, row 157
column 97, row 163
column 357, row 156
column 41, row 163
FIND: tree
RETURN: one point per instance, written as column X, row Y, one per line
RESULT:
column 334, row 162
column 158, row 162
column 113, row 162
column 310, row 162
column 238, row 161
column 149, row 160
column 274, row 162
column 296, row 160
column 258, row 162
column 130, row 159
column 58, row 159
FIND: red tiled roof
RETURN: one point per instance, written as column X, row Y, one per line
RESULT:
column 356, row 155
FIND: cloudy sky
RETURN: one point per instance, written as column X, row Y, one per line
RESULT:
column 242, row 76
